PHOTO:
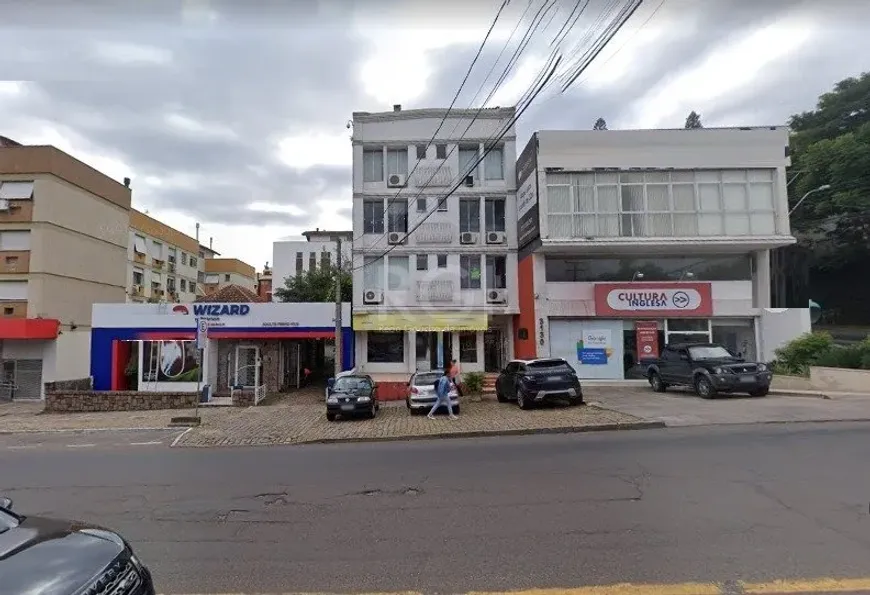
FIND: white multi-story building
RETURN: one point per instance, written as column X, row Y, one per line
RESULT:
column 163, row 264
column 434, row 278
column 633, row 239
column 292, row 257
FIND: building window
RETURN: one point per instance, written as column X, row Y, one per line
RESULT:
column 171, row 256
column 325, row 259
column 469, row 215
column 496, row 272
column 8, row 311
column 468, row 348
column 170, row 284
column 493, row 165
column 373, row 216
column 373, row 272
column 397, row 162
column 441, row 151
column 677, row 268
column 385, row 347
column 421, row 152
column 469, row 271
column 373, row 165
column 422, row 262
column 193, row 262
column 312, row 261
column 182, row 284
column 138, row 277
column 156, row 250
column 300, row 265
column 421, row 205
column 467, row 160
column 441, row 260
column 184, row 258
column 684, row 203
column 397, row 216
column 494, row 214
column 139, row 245
column 227, row 278
column 397, row 273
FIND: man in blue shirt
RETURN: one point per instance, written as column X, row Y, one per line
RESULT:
column 442, row 394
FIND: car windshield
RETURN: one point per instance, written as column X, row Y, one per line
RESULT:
column 710, row 352
column 7, row 521
column 426, row 379
column 350, row 384
column 549, row 365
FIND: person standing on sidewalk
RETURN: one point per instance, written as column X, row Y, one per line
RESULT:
column 454, row 376
column 442, row 394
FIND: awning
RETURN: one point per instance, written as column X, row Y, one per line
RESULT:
column 29, row 328
column 421, row 321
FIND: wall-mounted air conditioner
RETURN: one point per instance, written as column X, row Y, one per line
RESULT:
column 469, row 181
column 496, row 296
column 495, row 237
column 396, row 238
column 468, row 237
column 373, row 296
column 396, row 181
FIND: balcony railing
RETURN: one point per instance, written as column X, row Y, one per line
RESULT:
column 440, row 290
column 434, row 233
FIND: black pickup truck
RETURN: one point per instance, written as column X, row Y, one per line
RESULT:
column 709, row 368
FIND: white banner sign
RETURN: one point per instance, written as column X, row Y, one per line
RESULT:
column 654, row 299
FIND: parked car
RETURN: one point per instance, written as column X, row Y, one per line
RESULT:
column 709, row 368
column 421, row 393
column 57, row 557
column 352, row 396
column 331, row 381
column 530, row 382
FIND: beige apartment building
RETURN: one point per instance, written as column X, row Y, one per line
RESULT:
column 220, row 272
column 163, row 264
column 63, row 243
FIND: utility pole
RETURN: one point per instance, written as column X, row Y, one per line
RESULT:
column 338, row 271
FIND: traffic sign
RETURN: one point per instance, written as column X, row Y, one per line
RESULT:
column 201, row 332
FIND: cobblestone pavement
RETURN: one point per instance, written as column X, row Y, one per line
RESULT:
column 28, row 417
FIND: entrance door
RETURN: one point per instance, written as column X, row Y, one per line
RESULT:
column 493, row 350
column 290, row 358
column 247, row 361
column 425, row 351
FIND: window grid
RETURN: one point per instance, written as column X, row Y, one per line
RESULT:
column 662, row 204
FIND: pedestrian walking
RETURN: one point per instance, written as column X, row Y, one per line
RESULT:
column 442, row 394
column 454, row 376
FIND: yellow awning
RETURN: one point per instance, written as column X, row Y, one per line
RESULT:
column 421, row 321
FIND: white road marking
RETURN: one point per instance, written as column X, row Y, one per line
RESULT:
column 79, row 445
column 146, row 443
column 23, row 446
column 179, row 437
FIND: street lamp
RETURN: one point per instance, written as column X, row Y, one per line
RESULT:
column 687, row 275
column 803, row 198
column 637, row 275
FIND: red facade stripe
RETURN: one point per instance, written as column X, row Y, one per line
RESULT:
column 271, row 335
column 29, row 328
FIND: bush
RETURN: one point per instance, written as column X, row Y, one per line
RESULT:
column 473, row 382
column 841, row 357
column 796, row 356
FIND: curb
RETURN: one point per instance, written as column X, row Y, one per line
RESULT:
column 68, row 430
column 794, row 393
column 640, row 425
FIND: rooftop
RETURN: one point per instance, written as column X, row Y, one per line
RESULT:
column 231, row 294
column 398, row 113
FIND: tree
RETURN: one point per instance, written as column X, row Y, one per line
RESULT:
column 600, row 124
column 693, row 120
column 316, row 285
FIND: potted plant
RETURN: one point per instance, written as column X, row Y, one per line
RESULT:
column 472, row 385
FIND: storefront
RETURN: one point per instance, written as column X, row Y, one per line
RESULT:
column 632, row 321
column 153, row 347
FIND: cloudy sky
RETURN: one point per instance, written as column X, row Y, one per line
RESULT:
column 232, row 113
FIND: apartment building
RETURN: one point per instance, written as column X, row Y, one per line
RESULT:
column 292, row 257
column 63, row 239
column 220, row 272
column 633, row 239
column 163, row 264
column 434, row 275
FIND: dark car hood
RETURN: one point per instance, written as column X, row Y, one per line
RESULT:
column 352, row 393
column 52, row 557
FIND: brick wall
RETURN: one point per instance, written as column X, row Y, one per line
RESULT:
column 79, row 384
column 70, row 401
column 243, row 398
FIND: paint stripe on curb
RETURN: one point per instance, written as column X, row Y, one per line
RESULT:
column 81, row 430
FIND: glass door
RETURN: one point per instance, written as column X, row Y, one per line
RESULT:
column 688, row 330
column 493, row 350
column 247, row 360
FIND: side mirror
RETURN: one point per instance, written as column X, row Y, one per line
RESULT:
column 330, row 383
column 6, row 503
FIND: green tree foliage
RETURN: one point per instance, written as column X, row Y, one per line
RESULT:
column 693, row 120
column 316, row 285
column 600, row 124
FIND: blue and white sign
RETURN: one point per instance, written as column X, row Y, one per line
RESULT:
column 201, row 333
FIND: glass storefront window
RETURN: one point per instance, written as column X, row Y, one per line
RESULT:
column 712, row 268
column 385, row 347
column 468, row 348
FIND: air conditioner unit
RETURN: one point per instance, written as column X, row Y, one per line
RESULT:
column 468, row 237
column 396, row 181
column 469, row 181
column 396, row 238
column 495, row 237
column 4, row 204
column 137, row 289
column 373, row 296
column 496, row 296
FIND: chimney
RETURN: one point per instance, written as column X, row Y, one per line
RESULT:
column 126, row 182
column 397, row 107
column 197, row 233
column 209, row 242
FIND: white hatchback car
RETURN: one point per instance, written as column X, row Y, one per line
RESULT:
column 421, row 393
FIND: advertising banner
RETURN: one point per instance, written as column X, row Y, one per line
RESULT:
column 646, row 339
column 528, row 223
column 170, row 361
column 595, row 348
column 653, row 299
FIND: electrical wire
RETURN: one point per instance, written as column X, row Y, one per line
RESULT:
column 456, row 95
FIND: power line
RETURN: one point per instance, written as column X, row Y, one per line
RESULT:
column 456, row 95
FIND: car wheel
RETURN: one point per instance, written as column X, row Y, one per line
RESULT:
column 456, row 410
column 522, row 401
column 761, row 392
column 705, row 388
column 373, row 412
column 330, row 417
column 500, row 397
column 576, row 401
column 408, row 403
column 656, row 382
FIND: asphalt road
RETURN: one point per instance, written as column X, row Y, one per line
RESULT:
column 658, row 506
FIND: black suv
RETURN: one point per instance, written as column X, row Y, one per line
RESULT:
column 529, row 382
column 709, row 368
column 55, row 557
